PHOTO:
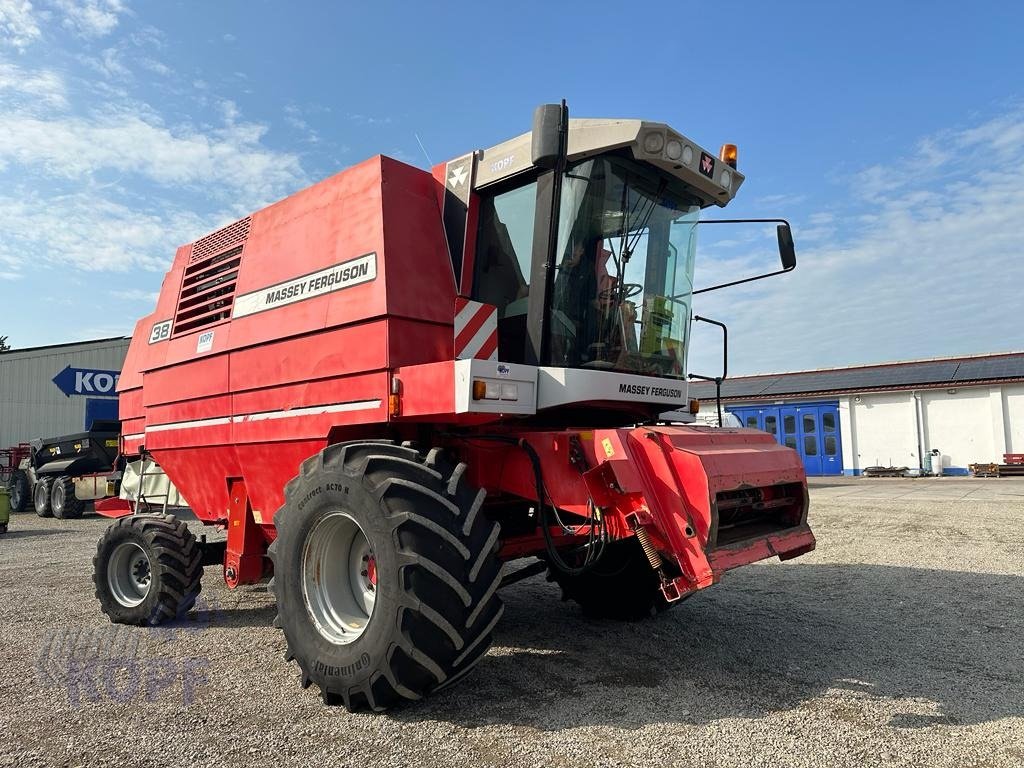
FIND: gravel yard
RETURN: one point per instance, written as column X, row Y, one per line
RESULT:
column 900, row 641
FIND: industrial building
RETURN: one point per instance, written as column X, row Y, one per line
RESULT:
column 921, row 414
column 58, row 389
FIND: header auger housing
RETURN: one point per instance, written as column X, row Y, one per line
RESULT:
column 387, row 385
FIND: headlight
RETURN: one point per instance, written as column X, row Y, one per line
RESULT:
column 653, row 142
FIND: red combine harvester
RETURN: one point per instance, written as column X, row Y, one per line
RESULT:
column 390, row 384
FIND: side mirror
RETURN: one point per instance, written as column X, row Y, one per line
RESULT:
column 787, row 251
column 547, row 147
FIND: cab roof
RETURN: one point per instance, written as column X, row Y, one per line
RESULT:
column 653, row 143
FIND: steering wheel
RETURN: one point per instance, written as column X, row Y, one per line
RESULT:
column 629, row 290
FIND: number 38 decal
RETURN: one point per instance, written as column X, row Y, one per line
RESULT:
column 161, row 332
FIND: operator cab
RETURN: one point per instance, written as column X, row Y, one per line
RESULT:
column 582, row 235
column 623, row 271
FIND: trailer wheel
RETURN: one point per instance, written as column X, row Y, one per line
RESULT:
column 385, row 573
column 41, row 496
column 19, row 490
column 147, row 569
column 621, row 585
column 63, row 502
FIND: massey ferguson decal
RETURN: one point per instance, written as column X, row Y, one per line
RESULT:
column 344, row 275
column 458, row 184
column 645, row 390
column 707, row 165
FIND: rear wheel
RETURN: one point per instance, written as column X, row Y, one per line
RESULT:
column 385, row 573
column 19, row 490
column 621, row 585
column 41, row 497
column 63, row 502
column 147, row 569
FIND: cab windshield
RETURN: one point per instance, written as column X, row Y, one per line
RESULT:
column 624, row 270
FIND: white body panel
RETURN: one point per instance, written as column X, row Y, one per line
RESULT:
column 546, row 387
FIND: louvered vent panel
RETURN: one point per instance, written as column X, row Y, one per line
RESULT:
column 207, row 290
column 215, row 242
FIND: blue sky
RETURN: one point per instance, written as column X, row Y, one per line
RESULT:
column 891, row 135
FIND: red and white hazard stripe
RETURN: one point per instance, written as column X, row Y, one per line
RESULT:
column 476, row 330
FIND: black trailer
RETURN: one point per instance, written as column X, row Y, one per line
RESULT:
column 62, row 473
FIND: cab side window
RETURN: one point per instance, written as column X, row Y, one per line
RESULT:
column 504, row 253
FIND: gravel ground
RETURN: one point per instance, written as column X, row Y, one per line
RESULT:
column 900, row 641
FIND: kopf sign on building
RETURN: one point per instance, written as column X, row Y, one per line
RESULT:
column 84, row 381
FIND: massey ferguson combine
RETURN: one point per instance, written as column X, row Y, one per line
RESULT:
column 390, row 384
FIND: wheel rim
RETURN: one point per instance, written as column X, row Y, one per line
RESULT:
column 339, row 578
column 129, row 574
column 57, row 499
column 40, row 496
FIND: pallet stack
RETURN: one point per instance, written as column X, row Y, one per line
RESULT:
column 1012, row 466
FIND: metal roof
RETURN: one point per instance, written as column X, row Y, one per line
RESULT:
column 902, row 375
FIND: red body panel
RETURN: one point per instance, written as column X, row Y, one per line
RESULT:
column 671, row 480
column 264, row 375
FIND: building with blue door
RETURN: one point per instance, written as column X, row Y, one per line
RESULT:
column 935, row 415
column 811, row 429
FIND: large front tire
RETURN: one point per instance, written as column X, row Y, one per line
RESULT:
column 385, row 573
column 147, row 569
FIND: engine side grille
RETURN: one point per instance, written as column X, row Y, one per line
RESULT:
column 207, row 291
column 208, row 286
column 224, row 237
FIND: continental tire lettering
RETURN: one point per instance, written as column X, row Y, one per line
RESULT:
column 329, row 487
column 335, row 278
column 345, row 670
column 308, row 497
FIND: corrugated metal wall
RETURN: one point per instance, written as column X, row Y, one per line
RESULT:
column 31, row 405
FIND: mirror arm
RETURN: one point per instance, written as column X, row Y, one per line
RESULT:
column 782, row 271
column 745, row 280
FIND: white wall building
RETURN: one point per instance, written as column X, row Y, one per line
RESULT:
column 59, row 389
column 843, row 420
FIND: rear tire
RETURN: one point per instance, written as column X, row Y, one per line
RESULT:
column 41, row 497
column 621, row 585
column 63, row 502
column 435, row 573
column 147, row 569
column 20, row 490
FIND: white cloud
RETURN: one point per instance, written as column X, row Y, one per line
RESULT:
column 32, row 88
column 18, row 27
column 155, row 66
column 931, row 263
column 134, row 294
column 229, row 159
column 86, row 231
column 91, row 18
column 103, row 191
column 108, row 64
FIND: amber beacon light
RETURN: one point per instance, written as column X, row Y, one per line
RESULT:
column 728, row 154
